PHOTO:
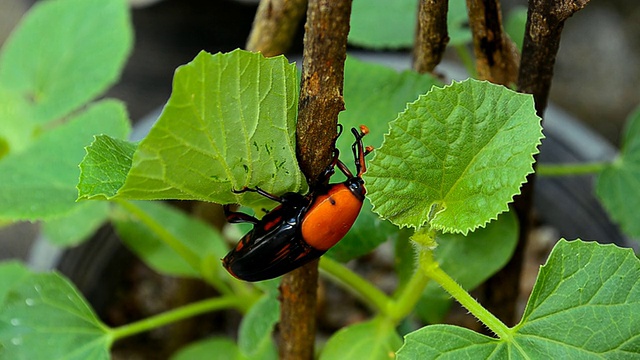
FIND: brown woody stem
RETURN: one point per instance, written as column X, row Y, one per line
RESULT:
column 432, row 36
column 496, row 55
column 545, row 22
column 325, row 47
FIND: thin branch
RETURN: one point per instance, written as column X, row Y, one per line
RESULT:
column 432, row 36
column 325, row 49
column 545, row 22
column 275, row 25
column 496, row 55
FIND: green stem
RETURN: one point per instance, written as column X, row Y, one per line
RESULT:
column 175, row 315
column 408, row 297
column 432, row 269
column 192, row 258
column 572, row 169
column 394, row 310
column 354, row 283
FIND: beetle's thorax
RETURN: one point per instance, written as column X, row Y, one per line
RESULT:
column 356, row 186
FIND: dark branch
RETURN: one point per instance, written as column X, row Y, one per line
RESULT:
column 545, row 22
column 496, row 55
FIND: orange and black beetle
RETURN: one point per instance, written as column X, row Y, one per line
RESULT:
column 302, row 227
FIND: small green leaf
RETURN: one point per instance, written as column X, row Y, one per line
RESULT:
column 469, row 260
column 230, row 122
column 455, row 157
column 78, row 225
column 374, row 339
column 44, row 317
column 200, row 238
column 223, row 348
column 585, row 305
column 65, row 53
column 105, row 167
column 618, row 186
column 256, row 329
column 40, row 182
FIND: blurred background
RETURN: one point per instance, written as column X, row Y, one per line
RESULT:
column 601, row 41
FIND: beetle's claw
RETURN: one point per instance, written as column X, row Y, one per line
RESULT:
column 243, row 190
column 368, row 150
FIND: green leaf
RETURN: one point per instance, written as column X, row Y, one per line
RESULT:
column 455, row 157
column 230, row 122
column 515, row 25
column 196, row 236
column 65, row 53
column 383, row 24
column 372, row 340
column 458, row 23
column 11, row 273
column 367, row 233
column 78, row 225
column 469, row 260
column 450, row 342
column 223, row 348
column 44, row 317
column 40, row 182
column 585, row 305
column 618, row 185
column 255, row 333
column 17, row 127
column 374, row 109
column 105, row 167
column 393, row 90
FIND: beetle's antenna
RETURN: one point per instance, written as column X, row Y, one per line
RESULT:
column 358, row 149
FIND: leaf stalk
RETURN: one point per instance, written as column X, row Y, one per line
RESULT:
column 432, row 269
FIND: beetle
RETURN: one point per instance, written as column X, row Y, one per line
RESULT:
column 303, row 227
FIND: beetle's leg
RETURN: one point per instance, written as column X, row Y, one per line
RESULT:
column 329, row 170
column 368, row 150
column 345, row 170
column 358, row 149
column 259, row 191
column 236, row 217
